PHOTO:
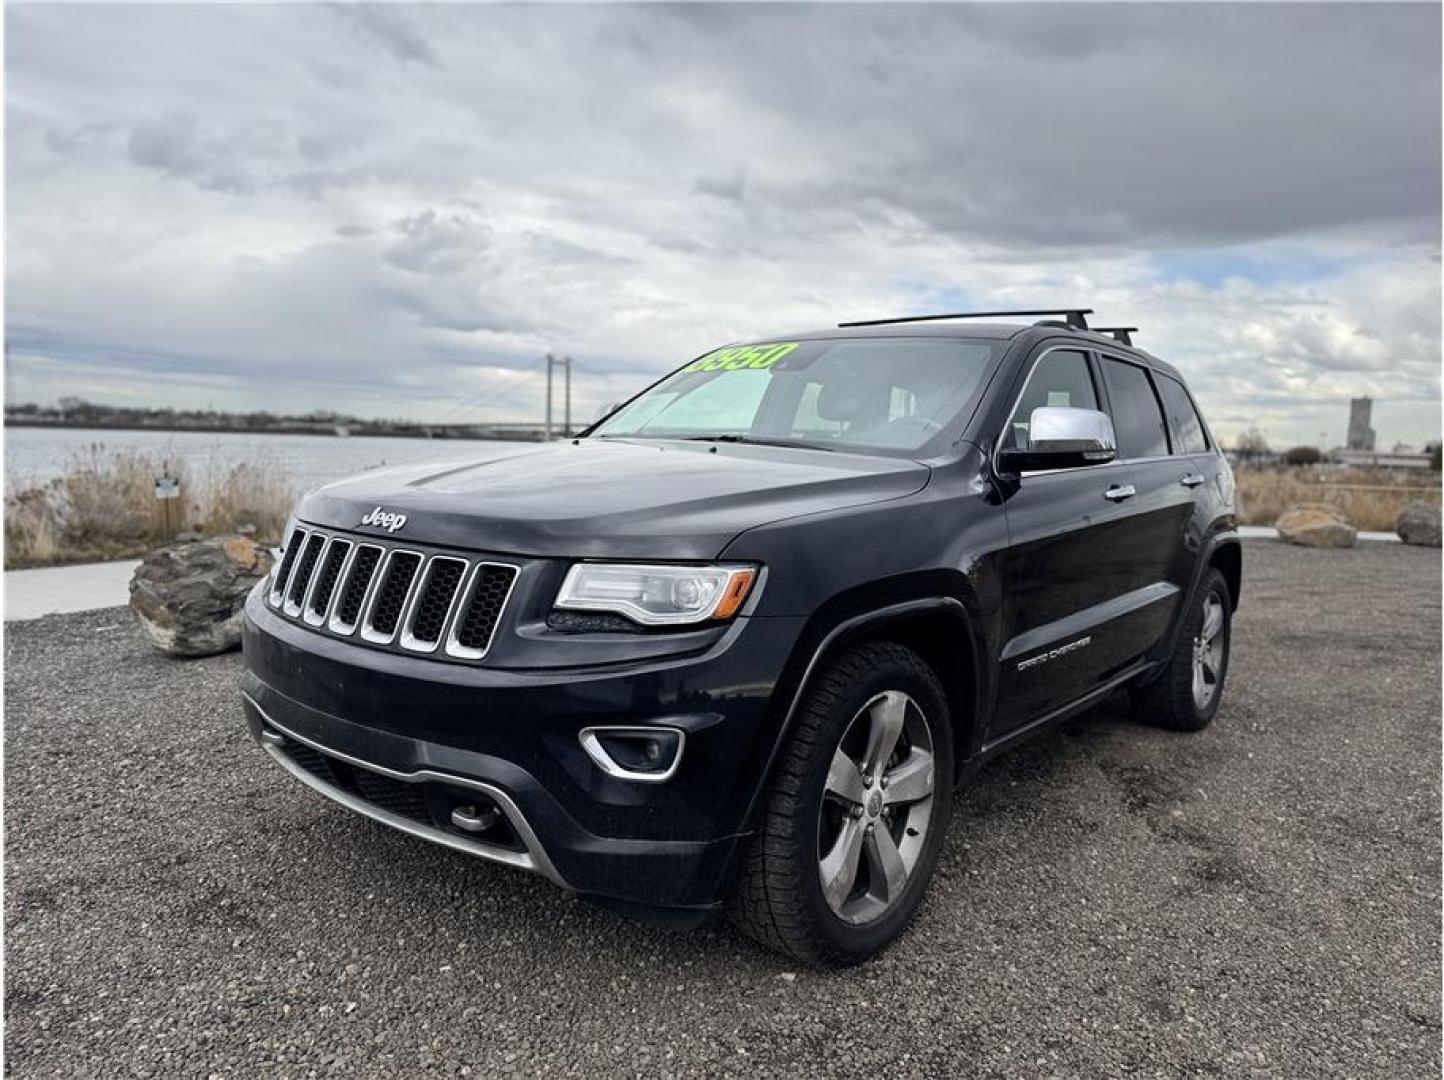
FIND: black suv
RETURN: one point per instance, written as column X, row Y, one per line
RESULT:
column 735, row 647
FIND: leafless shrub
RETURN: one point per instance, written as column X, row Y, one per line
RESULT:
column 103, row 506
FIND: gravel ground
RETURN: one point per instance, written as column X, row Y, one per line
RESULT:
column 1261, row 899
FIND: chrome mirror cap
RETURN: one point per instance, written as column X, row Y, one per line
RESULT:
column 1062, row 437
column 1055, row 429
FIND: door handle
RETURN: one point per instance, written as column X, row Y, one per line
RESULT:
column 1120, row 492
column 1193, row 479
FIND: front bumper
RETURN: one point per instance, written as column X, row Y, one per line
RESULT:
column 442, row 735
column 335, row 775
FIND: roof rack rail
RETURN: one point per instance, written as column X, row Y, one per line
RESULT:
column 1121, row 334
column 1075, row 317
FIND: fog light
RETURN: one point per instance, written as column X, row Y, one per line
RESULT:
column 644, row 754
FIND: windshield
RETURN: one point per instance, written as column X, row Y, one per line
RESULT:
column 874, row 393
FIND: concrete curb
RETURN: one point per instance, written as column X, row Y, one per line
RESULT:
column 1268, row 532
column 55, row 590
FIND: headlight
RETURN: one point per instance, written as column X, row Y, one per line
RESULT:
column 657, row 595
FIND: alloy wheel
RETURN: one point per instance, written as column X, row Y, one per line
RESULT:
column 1208, row 652
column 877, row 806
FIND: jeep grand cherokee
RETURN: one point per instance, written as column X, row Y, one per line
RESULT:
column 735, row 647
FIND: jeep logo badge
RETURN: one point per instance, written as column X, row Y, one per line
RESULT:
column 384, row 519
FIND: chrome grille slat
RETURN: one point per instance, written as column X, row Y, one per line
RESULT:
column 328, row 574
column 354, row 589
column 300, row 582
column 391, row 600
column 479, row 613
column 423, row 603
column 288, row 562
column 431, row 610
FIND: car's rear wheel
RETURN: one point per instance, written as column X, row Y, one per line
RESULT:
column 1186, row 694
column 857, row 812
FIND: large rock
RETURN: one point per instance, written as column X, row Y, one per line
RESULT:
column 189, row 595
column 1315, row 525
column 1419, row 524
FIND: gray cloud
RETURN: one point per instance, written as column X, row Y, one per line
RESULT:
column 70, row 141
column 437, row 244
column 173, row 145
column 388, row 28
column 382, row 206
column 732, row 187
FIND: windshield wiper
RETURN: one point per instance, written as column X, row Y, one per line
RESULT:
column 753, row 440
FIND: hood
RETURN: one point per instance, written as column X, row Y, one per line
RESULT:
column 608, row 498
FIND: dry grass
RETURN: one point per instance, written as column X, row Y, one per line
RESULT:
column 103, row 506
column 1369, row 499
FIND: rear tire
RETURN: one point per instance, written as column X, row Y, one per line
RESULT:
column 867, row 814
column 1185, row 696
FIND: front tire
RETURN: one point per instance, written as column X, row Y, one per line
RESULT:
column 1186, row 694
column 857, row 813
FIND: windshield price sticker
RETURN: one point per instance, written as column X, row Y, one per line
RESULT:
column 743, row 357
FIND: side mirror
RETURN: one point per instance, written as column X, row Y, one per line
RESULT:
column 1063, row 438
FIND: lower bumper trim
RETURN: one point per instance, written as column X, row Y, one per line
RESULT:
column 533, row 858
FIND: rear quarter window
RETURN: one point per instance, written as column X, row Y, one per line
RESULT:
column 1182, row 417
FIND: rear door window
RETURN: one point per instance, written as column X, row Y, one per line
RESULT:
column 1137, row 418
column 1187, row 427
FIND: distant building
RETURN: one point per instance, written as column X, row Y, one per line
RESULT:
column 1361, row 435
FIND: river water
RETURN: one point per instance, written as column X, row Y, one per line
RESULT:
column 34, row 455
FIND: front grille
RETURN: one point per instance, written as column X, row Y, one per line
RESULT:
column 483, row 609
column 388, row 597
column 391, row 596
column 348, row 609
column 320, row 601
column 408, row 800
column 288, row 560
column 313, row 761
column 296, row 588
column 434, row 602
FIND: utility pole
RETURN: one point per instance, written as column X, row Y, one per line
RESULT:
column 565, row 363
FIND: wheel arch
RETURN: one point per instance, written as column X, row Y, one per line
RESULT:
column 1227, row 558
column 1221, row 551
column 929, row 632
column 932, row 621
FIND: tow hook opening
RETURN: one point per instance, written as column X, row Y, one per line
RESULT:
column 641, row 754
column 476, row 816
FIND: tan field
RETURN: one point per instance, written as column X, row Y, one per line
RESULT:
column 1369, row 499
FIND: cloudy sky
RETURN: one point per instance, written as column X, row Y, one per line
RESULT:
column 397, row 210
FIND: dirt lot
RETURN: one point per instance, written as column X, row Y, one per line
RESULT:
column 1262, row 899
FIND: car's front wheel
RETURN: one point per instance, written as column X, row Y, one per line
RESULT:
column 857, row 813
